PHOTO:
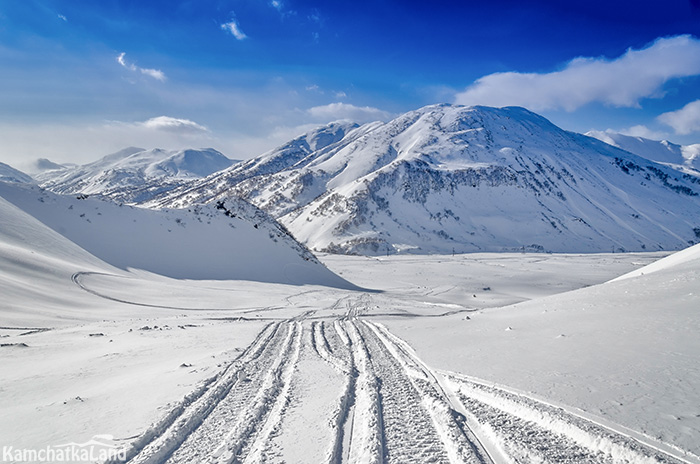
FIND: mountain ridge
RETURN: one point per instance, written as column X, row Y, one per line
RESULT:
column 452, row 178
column 133, row 174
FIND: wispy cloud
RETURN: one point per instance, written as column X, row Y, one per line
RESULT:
column 641, row 130
column 62, row 17
column 154, row 73
column 620, row 82
column 234, row 29
column 335, row 111
column 685, row 120
column 315, row 16
column 167, row 123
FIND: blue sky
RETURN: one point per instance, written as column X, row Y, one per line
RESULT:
column 81, row 79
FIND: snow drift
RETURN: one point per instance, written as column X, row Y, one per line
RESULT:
column 227, row 240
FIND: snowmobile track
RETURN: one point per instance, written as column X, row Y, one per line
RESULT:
column 389, row 407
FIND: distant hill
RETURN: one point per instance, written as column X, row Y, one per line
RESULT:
column 133, row 174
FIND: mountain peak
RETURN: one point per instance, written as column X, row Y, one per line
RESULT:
column 464, row 178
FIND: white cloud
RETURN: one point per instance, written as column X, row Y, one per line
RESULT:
column 62, row 17
column 621, row 82
column 122, row 61
column 643, row 131
column 234, row 29
column 685, row 120
column 340, row 94
column 20, row 144
column 335, row 111
column 154, row 73
column 166, row 123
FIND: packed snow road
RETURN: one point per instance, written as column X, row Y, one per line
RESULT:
column 346, row 389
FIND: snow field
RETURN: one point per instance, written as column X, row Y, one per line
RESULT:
column 323, row 381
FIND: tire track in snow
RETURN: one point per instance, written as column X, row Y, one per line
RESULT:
column 381, row 403
column 257, row 447
column 447, row 414
column 162, row 438
column 363, row 438
column 528, row 430
column 219, row 426
column 246, row 410
column 419, row 424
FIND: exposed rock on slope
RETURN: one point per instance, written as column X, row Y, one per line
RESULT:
column 451, row 178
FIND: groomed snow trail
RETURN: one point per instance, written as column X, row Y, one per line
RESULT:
column 347, row 390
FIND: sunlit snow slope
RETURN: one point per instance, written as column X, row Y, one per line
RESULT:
column 10, row 174
column 452, row 178
column 662, row 151
column 227, row 240
column 133, row 174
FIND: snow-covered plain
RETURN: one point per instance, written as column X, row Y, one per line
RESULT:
column 193, row 370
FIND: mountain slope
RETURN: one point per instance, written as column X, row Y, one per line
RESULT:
column 228, row 240
column 660, row 151
column 36, row 265
column 451, row 178
column 133, row 174
column 10, row 174
column 295, row 154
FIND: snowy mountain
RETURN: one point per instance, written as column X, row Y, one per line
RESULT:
column 43, row 164
column 227, row 240
column 660, row 151
column 294, row 154
column 10, row 174
column 452, row 178
column 133, row 174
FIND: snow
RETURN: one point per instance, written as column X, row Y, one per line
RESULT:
column 207, row 333
column 624, row 351
column 471, row 179
column 689, row 255
column 133, row 174
column 10, row 174
column 661, row 151
column 120, row 357
column 200, row 243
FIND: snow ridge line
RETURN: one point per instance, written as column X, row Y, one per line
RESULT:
column 159, row 441
column 257, row 410
column 366, row 444
column 459, row 446
column 588, row 434
column 274, row 417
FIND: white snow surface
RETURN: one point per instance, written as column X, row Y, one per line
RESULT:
column 10, row 174
column 661, row 151
column 178, row 369
column 689, row 255
column 133, row 174
column 452, row 178
column 233, row 240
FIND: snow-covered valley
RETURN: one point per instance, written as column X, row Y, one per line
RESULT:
column 153, row 306
column 465, row 358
